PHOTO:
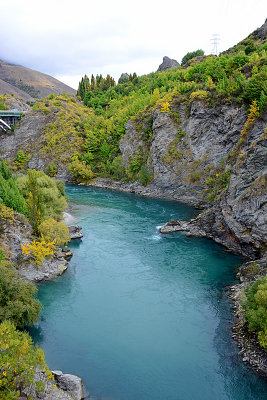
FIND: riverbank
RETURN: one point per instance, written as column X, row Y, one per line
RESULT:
column 250, row 351
column 147, row 191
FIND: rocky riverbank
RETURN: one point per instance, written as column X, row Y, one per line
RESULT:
column 150, row 190
column 19, row 231
column 13, row 233
column 250, row 351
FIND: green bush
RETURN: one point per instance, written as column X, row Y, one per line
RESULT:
column 19, row 360
column 145, row 176
column 51, row 169
column 256, row 87
column 17, row 301
column 3, row 106
column 191, row 55
column 43, row 197
column 10, row 194
column 21, row 159
column 256, row 310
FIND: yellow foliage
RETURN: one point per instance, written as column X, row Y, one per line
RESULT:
column 53, row 231
column 199, row 94
column 6, row 213
column 38, row 250
column 165, row 107
column 253, row 113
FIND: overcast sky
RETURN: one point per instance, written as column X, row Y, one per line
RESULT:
column 68, row 39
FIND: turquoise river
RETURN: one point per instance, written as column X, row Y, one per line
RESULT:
column 140, row 315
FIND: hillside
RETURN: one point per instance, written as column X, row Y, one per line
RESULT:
column 195, row 134
column 29, row 84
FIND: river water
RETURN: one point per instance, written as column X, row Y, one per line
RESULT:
column 140, row 315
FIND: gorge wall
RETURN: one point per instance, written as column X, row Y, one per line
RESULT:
column 197, row 156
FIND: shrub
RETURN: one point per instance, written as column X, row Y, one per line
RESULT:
column 6, row 213
column 53, row 231
column 43, row 197
column 255, row 86
column 3, row 106
column 80, row 171
column 19, row 359
column 17, row 300
column 38, row 250
column 256, row 310
column 165, row 107
column 51, row 169
column 10, row 194
column 191, row 55
column 217, row 183
column 198, row 94
column 21, row 159
column 145, row 176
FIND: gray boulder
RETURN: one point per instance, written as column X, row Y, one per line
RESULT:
column 71, row 384
column 168, row 63
column 75, row 232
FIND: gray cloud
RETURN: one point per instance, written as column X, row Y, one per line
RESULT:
column 69, row 38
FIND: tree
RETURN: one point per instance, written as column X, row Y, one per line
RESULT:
column 191, row 55
column 53, row 231
column 17, row 298
column 256, row 87
column 19, row 360
column 43, row 196
column 10, row 194
column 256, row 309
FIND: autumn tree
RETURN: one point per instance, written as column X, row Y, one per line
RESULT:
column 19, row 360
column 53, row 231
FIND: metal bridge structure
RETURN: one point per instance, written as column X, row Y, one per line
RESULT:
column 8, row 118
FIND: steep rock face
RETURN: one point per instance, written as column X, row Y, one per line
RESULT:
column 185, row 146
column 191, row 146
column 168, row 63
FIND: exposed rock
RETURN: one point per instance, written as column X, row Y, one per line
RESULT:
column 75, row 232
column 124, row 77
column 48, row 270
column 20, row 232
column 71, row 384
column 250, row 352
column 168, row 63
column 63, row 387
column 188, row 146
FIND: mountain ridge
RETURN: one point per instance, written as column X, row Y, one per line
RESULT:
column 29, row 83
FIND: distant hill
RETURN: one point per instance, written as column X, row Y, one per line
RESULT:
column 29, row 84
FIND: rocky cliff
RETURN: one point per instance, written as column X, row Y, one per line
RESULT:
column 197, row 156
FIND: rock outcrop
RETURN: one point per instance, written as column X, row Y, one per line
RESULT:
column 71, row 385
column 168, row 63
column 17, row 232
column 195, row 148
column 61, row 387
column 124, row 77
column 75, row 232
